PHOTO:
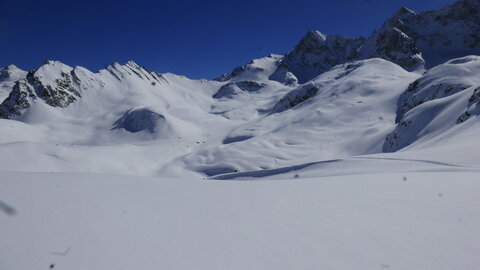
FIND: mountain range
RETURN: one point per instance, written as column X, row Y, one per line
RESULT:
column 411, row 86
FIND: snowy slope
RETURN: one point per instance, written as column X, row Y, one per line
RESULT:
column 384, row 221
column 163, row 124
column 435, row 106
column 346, row 111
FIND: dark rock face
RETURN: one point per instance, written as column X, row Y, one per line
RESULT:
column 233, row 89
column 393, row 45
column 283, row 75
column 131, row 68
column 473, row 107
column 139, row 120
column 60, row 92
column 317, row 53
column 295, row 98
column 256, row 69
column 428, row 97
column 18, row 101
column 235, row 139
column 59, row 95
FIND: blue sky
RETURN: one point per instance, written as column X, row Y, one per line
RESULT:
column 200, row 39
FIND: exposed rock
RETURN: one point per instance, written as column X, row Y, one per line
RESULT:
column 257, row 69
column 473, row 107
column 283, row 75
column 317, row 53
column 140, row 120
column 19, row 100
column 431, row 96
column 295, row 97
column 410, row 39
column 233, row 89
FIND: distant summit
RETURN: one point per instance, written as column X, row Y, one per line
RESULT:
column 410, row 39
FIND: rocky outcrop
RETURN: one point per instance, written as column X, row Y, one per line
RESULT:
column 256, row 69
column 317, row 53
column 473, row 107
column 142, row 119
column 233, row 89
column 283, row 75
column 431, row 103
column 19, row 100
column 52, row 83
column 295, row 97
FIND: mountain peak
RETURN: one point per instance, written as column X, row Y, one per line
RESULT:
column 132, row 64
column 316, row 35
column 11, row 71
column 404, row 12
column 50, row 62
column 313, row 38
column 11, row 66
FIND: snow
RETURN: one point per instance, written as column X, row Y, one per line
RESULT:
column 308, row 160
column 417, row 220
column 307, row 187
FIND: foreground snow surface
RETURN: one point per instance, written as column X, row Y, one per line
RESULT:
column 409, row 220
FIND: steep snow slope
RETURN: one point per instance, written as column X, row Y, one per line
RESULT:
column 384, row 221
column 257, row 69
column 435, row 106
column 346, row 111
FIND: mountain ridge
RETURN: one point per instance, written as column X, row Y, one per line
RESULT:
column 330, row 97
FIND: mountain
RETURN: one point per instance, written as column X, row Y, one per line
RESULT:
column 436, row 105
column 8, row 76
column 342, row 154
column 410, row 39
column 330, row 97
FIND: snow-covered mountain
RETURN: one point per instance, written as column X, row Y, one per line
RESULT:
column 413, row 40
column 375, row 141
column 330, row 97
column 8, row 76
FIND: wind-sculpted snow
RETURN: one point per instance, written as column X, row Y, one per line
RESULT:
column 407, row 220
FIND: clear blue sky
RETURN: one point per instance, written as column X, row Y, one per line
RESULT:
column 194, row 38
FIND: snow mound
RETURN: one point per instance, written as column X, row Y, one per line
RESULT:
column 141, row 119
